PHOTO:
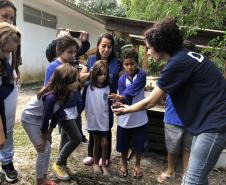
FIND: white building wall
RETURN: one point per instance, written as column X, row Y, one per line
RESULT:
column 35, row 38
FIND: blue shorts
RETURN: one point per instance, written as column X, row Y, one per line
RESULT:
column 99, row 133
column 131, row 138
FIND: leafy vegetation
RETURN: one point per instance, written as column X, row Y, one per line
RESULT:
column 193, row 14
column 109, row 7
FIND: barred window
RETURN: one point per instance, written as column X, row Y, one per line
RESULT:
column 39, row 17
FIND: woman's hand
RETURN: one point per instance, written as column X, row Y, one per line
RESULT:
column 120, row 109
column 84, row 36
column 115, row 97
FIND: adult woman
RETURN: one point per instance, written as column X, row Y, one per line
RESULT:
column 198, row 93
column 8, row 14
column 105, row 51
column 9, row 41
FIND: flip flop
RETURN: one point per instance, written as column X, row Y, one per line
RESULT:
column 122, row 173
column 164, row 177
column 137, row 174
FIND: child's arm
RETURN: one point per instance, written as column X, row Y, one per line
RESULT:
column 48, row 103
column 137, row 85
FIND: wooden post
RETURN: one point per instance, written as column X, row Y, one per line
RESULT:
column 145, row 61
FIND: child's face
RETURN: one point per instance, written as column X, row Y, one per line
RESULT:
column 69, row 54
column 130, row 66
column 102, row 76
column 105, row 48
column 7, row 14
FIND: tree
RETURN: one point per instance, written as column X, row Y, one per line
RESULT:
column 109, row 7
column 193, row 14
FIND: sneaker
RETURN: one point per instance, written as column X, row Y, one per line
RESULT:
column 9, row 171
column 61, row 172
column 84, row 140
column 88, row 161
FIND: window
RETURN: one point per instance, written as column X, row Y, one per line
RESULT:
column 39, row 17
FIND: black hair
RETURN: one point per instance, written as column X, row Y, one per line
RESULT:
column 111, row 38
column 64, row 43
column 130, row 53
column 165, row 36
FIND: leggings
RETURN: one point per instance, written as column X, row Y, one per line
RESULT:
column 42, row 160
column 70, row 139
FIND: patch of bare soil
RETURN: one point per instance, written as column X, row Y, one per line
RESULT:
column 152, row 163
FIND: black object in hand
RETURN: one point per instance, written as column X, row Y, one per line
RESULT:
column 75, row 34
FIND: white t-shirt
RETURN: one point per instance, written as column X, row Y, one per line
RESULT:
column 97, row 109
column 135, row 119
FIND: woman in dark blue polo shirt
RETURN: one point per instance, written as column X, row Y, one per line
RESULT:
column 198, row 93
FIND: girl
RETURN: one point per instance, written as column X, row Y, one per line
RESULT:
column 131, row 128
column 49, row 106
column 70, row 135
column 9, row 42
column 98, row 112
column 105, row 51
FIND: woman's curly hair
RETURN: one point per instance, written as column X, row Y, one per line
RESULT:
column 165, row 36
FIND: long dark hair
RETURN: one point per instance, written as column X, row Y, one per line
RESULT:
column 109, row 37
column 16, row 55
column 98, row 67
column 63, row 75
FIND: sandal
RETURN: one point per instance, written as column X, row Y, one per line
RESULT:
column 164, row 177
column 122, row 172
column 137, row 173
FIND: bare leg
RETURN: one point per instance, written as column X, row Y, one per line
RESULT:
column 122, row 172
column 185, row 158
column 137, row 170
column 96, row 149
column 104, row 146
column 172, row 158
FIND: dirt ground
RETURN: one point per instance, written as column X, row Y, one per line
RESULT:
column 152, row 163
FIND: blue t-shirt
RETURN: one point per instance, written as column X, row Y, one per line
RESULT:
column 198, row 91
column 170, row 115
column 51, row 68
column 113, row 66
column 75, row 99
column 134, row 89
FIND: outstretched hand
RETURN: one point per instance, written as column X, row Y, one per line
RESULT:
column 119, row 108
column 115, row 97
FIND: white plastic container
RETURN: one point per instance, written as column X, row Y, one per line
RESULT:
column 221, row 162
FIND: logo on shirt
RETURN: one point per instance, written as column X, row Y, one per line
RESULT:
column 196, row 56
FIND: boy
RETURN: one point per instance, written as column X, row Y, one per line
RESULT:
column 131, row 127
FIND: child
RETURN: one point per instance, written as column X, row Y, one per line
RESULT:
column 9, row 41
column 70, row 138
column 49, row 106
column 98, row 111
column 131, row 127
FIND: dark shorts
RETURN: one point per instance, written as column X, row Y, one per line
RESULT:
column 131, row 138
column 99, row 133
